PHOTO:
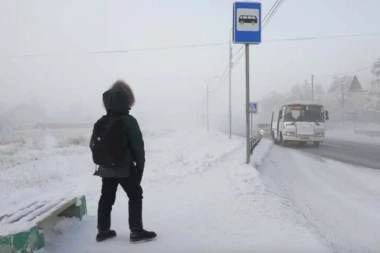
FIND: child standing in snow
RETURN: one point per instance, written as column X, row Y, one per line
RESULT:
column 118, row 148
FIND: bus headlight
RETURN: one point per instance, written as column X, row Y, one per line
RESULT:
column 290, row 133
column 319, row 134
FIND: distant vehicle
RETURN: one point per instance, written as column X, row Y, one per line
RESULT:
column 250, row 19
column 299, row 121
column 264, row 129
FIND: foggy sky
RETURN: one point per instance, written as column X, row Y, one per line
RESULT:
column 171, row 82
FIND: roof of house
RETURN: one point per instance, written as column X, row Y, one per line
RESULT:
column 355, row 85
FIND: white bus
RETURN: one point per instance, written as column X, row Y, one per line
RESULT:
column 299, row 121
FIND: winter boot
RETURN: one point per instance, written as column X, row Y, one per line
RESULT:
column 141, row 235
column 104, row 235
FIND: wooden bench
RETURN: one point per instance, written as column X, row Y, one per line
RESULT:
column 24, row 224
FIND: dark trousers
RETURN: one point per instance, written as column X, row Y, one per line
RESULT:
column 134, row 191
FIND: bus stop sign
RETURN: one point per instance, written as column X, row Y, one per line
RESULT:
column 247, row 23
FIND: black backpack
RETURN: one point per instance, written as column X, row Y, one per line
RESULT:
column 108, row 142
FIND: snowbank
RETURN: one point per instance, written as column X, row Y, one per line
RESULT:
column 260, row 152
column 246, row 179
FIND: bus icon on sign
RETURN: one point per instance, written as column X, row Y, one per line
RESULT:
column 247, row 19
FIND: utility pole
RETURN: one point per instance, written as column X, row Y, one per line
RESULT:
column 207, row 97
column 342, row 96
column 312, row 87
column 202, row 113
column 207, row 102
column 229, row 86
column 198, row 120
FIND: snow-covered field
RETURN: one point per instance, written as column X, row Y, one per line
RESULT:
column 199, row 196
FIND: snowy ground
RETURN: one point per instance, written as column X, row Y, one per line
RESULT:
column 199, row 196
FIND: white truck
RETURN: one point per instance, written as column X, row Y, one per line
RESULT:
column 299, row 121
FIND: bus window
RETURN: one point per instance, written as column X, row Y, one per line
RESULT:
column 315, row 113
column 293, row 113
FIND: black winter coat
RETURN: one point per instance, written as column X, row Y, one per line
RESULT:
column 116, row 103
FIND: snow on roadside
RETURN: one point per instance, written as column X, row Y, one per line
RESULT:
column 246, row 176
column 247, row 179
column 260, row 152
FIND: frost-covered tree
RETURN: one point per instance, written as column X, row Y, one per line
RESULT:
column 373, row 95
column 297, row 93
column 338, row 91
column 304, row 91
column 273, row 98
column 267, row 104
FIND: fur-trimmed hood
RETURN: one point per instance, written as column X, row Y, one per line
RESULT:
column 119, row 98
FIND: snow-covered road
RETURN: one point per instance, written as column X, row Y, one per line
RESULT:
column 340, row 202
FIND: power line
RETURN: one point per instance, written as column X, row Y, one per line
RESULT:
column 168, row 77
column 326, row 37
column 270, row 11
column 344, row 73
column 240, row 49
column 223, row 76
column 238, row 59
column 219, row 85
column 317, row 38
column 279, row 3
column 119, row 51
column 187, row 46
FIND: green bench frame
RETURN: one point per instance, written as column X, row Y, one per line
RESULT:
column 33, row 239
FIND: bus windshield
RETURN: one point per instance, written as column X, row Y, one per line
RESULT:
column 308, row 113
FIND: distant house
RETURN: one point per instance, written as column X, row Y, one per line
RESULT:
column 356, row 96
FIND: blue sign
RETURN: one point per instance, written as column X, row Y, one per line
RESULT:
column 252, row 107
column 247, row 23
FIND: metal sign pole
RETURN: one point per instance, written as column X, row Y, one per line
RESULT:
column 247, row 30
column 247, row 102
column 229, row 87
column 252, row 126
